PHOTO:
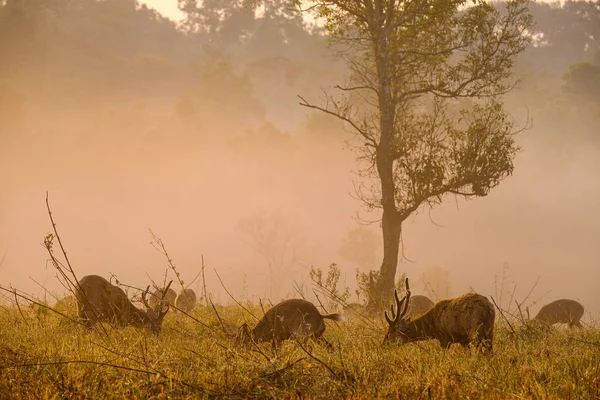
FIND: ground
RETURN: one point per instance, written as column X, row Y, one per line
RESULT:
column 46, row 356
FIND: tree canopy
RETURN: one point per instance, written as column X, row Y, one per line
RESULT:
column 410, row 62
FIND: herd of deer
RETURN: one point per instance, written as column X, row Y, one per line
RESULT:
column 467, row 319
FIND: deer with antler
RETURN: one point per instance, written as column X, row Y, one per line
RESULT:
column 100, row 301
column 465, row 319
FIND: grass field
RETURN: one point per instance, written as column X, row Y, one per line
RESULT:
column 47, row 356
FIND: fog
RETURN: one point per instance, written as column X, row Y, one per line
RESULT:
column 116, row 165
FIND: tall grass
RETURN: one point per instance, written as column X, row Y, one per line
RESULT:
column 44, row 355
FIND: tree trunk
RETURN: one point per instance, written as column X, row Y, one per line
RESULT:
column 391, row 222
column 392, row 228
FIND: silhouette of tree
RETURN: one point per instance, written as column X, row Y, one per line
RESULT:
column 409, row 62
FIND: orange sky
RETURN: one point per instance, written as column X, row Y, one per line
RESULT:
column 169, row 7
column 166, row 7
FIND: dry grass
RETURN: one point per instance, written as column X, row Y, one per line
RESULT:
column 43, row 355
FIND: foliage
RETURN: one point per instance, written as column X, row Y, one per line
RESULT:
column 366, row 287
column 408, row 63
column 224, row 91
column 583, row 80
column 237, row 27
column 90, row 46
column 132, row 45
column 563, row 33
column 330, row 284
column 196, row 360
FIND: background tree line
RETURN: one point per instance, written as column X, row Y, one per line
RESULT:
column 122, row 48
column 231, row 71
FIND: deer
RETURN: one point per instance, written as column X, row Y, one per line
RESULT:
column 159, row 295
column 186, row 300
column 292, row 318
column 100, row 301
column 419, row 305
column 467, row 319
column 563, row 311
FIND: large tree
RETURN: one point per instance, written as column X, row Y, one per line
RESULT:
column 424, row 99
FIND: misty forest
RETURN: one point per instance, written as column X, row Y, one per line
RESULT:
column 187, row 203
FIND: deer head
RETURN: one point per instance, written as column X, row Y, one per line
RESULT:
column 156, row 315
column 398, row 321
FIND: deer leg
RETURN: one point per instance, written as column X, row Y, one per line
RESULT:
column 488, row 347
column 445, row 343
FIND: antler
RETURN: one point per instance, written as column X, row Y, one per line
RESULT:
column 395, row 316
column 164, row 311
column 401, row 305
column 165, row 290
column 393, row 319
column 144, row 301
column 406, row 299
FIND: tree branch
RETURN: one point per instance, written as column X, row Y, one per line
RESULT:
column 371, row 142
column 352, row 88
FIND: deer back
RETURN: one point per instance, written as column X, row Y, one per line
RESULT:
column 560, row 311
column 419, row 305
column 98, row 300
column 460, row 319
column 186, row 300
column 290, row 317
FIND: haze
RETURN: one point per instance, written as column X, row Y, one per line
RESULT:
column 130, row 124
column 168, row 8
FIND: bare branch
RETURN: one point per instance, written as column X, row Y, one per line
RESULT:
column 352, row 88
column 371, row 142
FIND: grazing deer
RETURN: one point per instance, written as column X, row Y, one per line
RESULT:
column 563, row 311
column 186, row 300
column 419, row 305
column 289, row 319
column 465, row 319
column 100, row 301
column 159, row 296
